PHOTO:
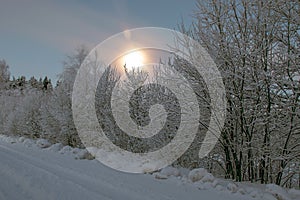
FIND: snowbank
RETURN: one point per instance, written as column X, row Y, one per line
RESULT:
column 47, row 146
column 199, row 178
column 204, row 180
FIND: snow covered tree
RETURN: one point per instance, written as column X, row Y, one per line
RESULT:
column 256, row 47
column 59, row 106
column 4, row 74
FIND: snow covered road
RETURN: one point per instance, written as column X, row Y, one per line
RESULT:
column 31, row 173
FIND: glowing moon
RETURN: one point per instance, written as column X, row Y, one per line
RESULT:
column 134, row 59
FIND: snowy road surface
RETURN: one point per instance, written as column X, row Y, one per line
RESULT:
column 31, row 173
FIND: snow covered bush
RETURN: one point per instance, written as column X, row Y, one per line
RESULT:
column 197, row 174
column 43, row 143
column 170, row 171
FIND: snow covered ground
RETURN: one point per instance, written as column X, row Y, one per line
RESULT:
column 38, row 170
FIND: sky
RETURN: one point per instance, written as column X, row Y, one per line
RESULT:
column 37, row 35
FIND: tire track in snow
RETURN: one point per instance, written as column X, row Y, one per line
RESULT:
column 69, row 176
column 17, row 161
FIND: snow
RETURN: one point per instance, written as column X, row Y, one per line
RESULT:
column 197, row 174
column 42, row 143
column 232, row 187
column 294, row 193
column 208, row 178
column 55, row 147
column 170, row 171
column 38, row 170
column 66, row 150
column 29, row 142
column 277, row 191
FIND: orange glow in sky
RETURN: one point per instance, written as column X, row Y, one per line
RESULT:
column 134, row 59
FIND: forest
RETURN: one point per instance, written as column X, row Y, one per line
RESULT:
column 256, row 47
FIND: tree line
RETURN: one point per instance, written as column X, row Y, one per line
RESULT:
column 37, row 109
